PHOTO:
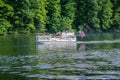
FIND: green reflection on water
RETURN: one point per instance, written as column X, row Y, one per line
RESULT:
column 17, row 45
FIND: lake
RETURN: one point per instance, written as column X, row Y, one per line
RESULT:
column 97, row 56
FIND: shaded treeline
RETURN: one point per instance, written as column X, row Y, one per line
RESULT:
column 26, row 16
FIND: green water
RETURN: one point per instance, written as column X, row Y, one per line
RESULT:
column 97, row 56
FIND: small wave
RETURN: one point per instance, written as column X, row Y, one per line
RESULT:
column 104, row 41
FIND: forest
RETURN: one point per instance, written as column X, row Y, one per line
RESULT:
column 51, row 16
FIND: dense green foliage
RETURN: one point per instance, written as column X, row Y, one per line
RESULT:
column 53, row 15
column 26, row 16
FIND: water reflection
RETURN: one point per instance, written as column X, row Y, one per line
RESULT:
column 56, row 47
column 17, row 45
column 81, row 47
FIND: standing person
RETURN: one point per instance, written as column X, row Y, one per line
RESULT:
column 82, row 34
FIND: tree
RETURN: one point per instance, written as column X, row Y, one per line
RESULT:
column 6, row 11
column 116, row 15
column 86, row 14
column 79, row 15
column 91, row 14
column 105, row 14
column 38, row 7
column 67, row 13
column 23, row 17
column 53, row 15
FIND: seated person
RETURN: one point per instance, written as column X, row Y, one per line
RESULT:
column 59, row 35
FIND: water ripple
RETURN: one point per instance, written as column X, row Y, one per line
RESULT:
column 90, row 64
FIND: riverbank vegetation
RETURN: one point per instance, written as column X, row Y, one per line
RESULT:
column 31, row 16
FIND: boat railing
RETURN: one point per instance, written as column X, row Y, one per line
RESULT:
column 43, row 37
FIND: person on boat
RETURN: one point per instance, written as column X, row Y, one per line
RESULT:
column 68, row 33
column 82, row 33
column 59, row 35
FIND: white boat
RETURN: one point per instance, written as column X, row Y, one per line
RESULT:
column 65, row 37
